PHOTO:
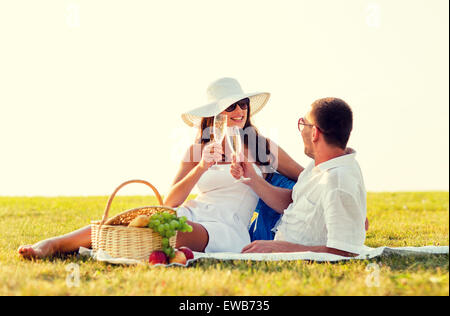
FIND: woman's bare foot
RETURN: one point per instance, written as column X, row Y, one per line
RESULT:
column 40, row 250
column 62, row 244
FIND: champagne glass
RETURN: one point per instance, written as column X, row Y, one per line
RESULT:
column 219, row 130
column 235, row 142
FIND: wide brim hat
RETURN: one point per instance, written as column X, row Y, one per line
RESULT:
column 221, row 94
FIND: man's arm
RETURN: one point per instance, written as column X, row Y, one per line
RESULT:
column 269, row 246
column 275, row 197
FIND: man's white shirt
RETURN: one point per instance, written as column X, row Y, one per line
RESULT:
column 329, row 207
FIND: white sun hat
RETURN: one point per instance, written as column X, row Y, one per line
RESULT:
column 221, row 94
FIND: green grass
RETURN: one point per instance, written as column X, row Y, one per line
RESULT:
column 396, row 219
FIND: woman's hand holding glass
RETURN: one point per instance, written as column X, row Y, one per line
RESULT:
column 219, row 127
column 210, row 155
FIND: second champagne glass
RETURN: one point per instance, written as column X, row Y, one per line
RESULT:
column 235, row 142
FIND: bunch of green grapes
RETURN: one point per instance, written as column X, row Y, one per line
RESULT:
column 167, row 225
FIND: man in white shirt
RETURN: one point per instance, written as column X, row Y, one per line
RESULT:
column 326, row 210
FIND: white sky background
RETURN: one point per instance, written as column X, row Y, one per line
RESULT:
column 91, row 91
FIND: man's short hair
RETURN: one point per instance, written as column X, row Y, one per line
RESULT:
column 334, row 117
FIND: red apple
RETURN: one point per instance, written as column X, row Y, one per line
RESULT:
column 179, row 258
column 157, row 257
column 187, row 252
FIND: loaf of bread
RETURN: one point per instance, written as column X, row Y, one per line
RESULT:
column 140, row 221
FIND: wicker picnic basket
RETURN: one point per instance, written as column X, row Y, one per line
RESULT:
column 120, row 241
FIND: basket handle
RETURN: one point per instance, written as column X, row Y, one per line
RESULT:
column 108, row 205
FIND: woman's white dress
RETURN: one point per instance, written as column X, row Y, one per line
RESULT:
column 224, row 208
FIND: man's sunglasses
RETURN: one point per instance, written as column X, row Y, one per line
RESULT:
column 243, row 104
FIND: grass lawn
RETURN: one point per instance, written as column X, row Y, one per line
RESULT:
column 396, row 219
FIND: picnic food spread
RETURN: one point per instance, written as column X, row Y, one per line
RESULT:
column 165, row 224
column 138, row 233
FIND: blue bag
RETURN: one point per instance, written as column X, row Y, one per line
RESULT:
column 264, row 218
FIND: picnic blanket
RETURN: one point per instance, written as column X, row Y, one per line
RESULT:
column 369, row 253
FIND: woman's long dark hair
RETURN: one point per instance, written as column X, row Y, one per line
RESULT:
column 267, row 157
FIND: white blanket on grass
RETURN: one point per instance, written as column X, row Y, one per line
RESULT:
column 369, row 253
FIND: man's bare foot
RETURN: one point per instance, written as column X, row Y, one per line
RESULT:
column 40, row 250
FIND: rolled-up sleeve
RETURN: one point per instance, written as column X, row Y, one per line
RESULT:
column 345, row 221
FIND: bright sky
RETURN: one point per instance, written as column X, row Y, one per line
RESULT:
column 91, row 91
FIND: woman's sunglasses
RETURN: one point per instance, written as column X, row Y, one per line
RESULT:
column 243, row 104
